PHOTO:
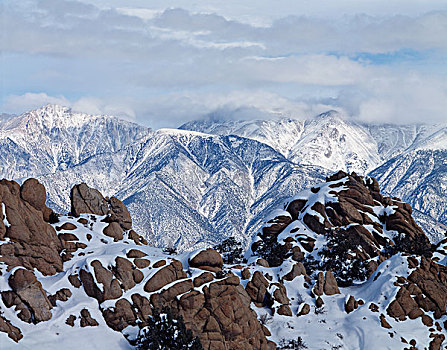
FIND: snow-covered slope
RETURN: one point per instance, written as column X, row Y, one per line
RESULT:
column 194, row 187
column 328, row 140
column 325, row 271
column 55, row 138
column 186, row 188
column 311, row 237
column 408, row 160
column 419, row 175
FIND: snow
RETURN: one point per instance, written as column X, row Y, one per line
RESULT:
column 323, row 328
column 331, row 327
column 55, row 333
column 5, row 219
column 222, row 178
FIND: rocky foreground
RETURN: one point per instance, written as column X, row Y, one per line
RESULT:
column 338, row 267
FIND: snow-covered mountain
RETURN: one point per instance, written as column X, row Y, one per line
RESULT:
column 55, row 138
column 409, row 161
column 419, row 176
column 328, row 140
column 187, row 188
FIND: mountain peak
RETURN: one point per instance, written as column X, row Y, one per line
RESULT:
column 329, row 113
column 54, row 137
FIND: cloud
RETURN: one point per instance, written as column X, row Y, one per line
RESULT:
column 163, row 65
column 91, row 105
column 28, row 101
column 411, row 98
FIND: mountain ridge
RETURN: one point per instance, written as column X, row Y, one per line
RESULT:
column 224, row 184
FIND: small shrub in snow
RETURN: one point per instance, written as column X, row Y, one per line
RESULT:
column 339, row 257
column 274, row 252
column 320, row 310
column 265, row 319
column 54, row 218
column 221, row 274
column 292, row 344
column 311, row 265
column 170, row 250
column 166, row 332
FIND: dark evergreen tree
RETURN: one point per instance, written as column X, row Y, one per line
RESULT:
column 339, row 256
column 170, row 250
column 293, row 344
column 54, row 218
column 231, row 251
column 420, row 245
column 272, row 251
column 166, row 332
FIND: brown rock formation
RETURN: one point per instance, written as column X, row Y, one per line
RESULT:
column 121, row 316
column 164, row 276
column 424, row 290
column 208, row 259
column 89, row 200
column 28, row 296
column 257, row 288
column 13, row 332
column 222, row 317
column 33, row 242
column 61, row 295
column 326, row 284
column 87, row 320
column 304, row 310
column 330, row 284
column 297, row 270
column 111, row 286
column 351, row 304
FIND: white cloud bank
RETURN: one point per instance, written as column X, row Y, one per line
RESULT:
column 163, row 65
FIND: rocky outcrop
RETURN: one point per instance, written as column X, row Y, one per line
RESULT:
column 28, row 297
column 89, row 200
column 164, row 276
column 111, row 288
column 326, row 284
column 208, row 259
column 86, row 319
column 34, row 193
column 425, row 290
column 13, row 332
column 343, row 213
column 131, row 284
column 297, row 270
column 221, row 316
column 61, row 295
column 121, row 316
column 257, row 289
column 86, row 200
column 218, row 312
column 351, row 304
column 33, row 243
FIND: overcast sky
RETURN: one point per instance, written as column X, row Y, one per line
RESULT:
column 164, row 62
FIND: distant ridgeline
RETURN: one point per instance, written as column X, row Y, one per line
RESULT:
column 214, row 180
